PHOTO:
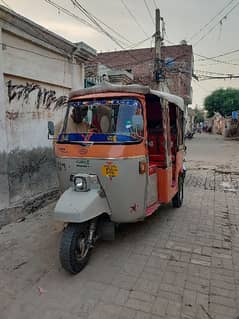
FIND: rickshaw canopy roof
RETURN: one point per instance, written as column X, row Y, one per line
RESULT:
column 132, row 88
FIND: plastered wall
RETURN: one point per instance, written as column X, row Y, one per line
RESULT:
column 34, row 86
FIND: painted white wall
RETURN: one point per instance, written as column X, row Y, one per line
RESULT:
column 4, row 194
column 23, row 119
column 35, row 62
column 78, row 76
column 3, row 139
column 26, row 124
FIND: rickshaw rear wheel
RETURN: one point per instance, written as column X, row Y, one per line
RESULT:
column 178, row 198
column 74, row 247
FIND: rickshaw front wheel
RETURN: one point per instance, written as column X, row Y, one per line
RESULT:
column 178, row 198
column 75, row 247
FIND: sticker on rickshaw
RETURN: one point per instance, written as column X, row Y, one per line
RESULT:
column 109, row 169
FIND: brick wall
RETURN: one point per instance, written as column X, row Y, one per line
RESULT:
column 141, row 64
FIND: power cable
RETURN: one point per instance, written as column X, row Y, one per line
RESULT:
column 220, row 55
column 96, row 21
column 149, row 12
column 138, row 43
column 218, row 23
column 167, row 40
column 210, row 72
column 155, row 4
column 71, row 14
column 213, row 59
column 211, row 20
column 229, row 77
column 229, row 62
column 204, row 58
column 134, row 18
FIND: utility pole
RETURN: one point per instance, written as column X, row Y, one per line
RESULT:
column 157, row 62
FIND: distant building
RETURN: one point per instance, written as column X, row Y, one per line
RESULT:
column 37, row 70
column 140, row 64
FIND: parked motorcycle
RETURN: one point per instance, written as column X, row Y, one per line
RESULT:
column 189, row 135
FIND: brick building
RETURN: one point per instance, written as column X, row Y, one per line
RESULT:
column 140, row 62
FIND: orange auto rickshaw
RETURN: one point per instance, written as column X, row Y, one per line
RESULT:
column 122, row 169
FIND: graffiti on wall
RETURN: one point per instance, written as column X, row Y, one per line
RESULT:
column 43, row 97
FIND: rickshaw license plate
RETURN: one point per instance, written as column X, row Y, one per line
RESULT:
column 110, row 170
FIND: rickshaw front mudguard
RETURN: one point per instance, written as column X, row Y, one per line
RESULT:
column 78, row 207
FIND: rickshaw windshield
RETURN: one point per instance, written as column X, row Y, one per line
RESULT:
column 107, row 121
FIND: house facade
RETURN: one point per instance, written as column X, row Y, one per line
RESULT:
column 37, row 70
column 177, row 67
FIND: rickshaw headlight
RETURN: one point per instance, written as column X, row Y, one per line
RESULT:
column 84, row 182
column 80, row 184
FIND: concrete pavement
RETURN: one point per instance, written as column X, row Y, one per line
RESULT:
column 180, row 263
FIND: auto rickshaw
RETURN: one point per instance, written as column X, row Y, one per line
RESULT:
column 128, row 163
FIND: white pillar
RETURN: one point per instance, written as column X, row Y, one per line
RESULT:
column 78, row 76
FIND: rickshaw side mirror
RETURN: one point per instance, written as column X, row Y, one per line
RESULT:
column 51, row 129
column 137, row 122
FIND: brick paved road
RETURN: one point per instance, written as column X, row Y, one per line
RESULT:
column 180, row 263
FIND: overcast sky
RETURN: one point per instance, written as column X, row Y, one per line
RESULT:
column 183, row 19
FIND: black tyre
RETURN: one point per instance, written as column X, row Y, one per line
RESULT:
column 178, row 198
column 74, row 247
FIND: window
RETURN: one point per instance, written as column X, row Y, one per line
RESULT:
column 104, row 121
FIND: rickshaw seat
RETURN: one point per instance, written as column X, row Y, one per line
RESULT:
column 158, row 160
column 156, row 150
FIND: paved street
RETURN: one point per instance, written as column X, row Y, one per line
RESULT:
column 180, row 263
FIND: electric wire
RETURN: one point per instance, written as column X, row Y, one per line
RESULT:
column 220, row 55
column 211, row 20
column 202, row 64
column 139, row 43
column 155, row 4
column 96, row 21
column 71, row 14
column 230, row 77
column 215, row 25
column 133, row 17
column 204, row 58
column 211, row 72
column 215, row 60
column 149, row 12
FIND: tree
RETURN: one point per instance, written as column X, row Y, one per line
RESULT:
column 223, row 101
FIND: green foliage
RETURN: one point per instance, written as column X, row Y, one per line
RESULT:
column 224, row 101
